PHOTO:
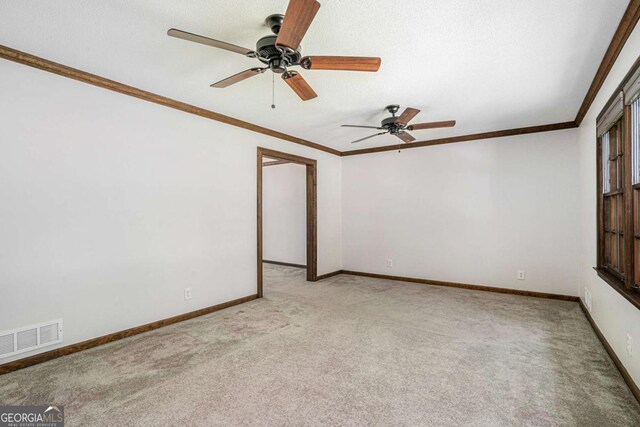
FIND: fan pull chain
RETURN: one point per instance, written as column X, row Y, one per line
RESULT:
column 273, row 90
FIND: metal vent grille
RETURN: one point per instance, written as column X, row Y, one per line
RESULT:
column 48, row 333
column 27, row 339
column 6, row 344
column 30, row 338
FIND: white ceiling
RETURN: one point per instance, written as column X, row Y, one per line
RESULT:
column 489, row 64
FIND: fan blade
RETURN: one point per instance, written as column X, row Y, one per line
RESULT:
column 432, row 125
column 405, row 137
column 345, row 63
column 367, row 137
column 299, row 85
column 238, row 77
column 407, row 115
column 210, row 42
column 297, row 20
column 363, row 127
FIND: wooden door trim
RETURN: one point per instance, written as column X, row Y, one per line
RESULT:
column 312, row 211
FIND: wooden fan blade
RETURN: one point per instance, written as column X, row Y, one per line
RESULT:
column 367, row 137
column 363, row 127
column 346, row 63
column 297, row 19
column 405, row 137
column 238, row 77
column 210, row 42
column 407, row 115
column 299, row 85
column 433, row 125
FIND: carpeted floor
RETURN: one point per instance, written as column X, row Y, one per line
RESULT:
column 346, row 351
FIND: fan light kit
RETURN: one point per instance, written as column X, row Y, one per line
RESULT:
column 280, row 51
column 398, row 126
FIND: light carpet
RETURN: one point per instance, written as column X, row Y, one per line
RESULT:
column 346, row 351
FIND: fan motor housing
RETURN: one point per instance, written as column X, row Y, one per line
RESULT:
column 275, row 58
column 390, row 124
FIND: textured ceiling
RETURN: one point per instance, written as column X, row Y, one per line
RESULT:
column 489, row 64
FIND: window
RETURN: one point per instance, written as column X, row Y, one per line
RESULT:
column 618, row 131
column 613, row 199
column 634, row 119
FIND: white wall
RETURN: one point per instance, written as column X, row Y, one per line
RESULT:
column 473, row 212
column 284, row 213
column 110, row 206
column 613, row 314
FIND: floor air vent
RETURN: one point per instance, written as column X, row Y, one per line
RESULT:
column 30, row 338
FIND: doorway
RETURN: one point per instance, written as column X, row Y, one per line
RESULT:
column 276, row 157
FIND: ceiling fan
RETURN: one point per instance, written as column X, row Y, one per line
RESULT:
column 282, row 50
column 399, row 125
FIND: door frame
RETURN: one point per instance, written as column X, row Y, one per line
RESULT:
column 312, row 210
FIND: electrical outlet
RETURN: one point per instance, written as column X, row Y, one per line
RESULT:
column 187, row 293
column 587, row 299
column 389, row 263
column 629, row 345
column 520, row 274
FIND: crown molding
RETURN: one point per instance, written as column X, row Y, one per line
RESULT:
column 620, row 37
column 92, row 79
column 464, row 138
column 626, row 26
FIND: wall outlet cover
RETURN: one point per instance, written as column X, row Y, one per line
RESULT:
column 187, row 293
column 521, row 275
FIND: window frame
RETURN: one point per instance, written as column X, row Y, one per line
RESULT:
column 613, row 238
column 626, row 281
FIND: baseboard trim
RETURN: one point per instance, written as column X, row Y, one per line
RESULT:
column 326, row 276
column 286, row 264
column 612, row 354
column 85, row 345
column 465, row 286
